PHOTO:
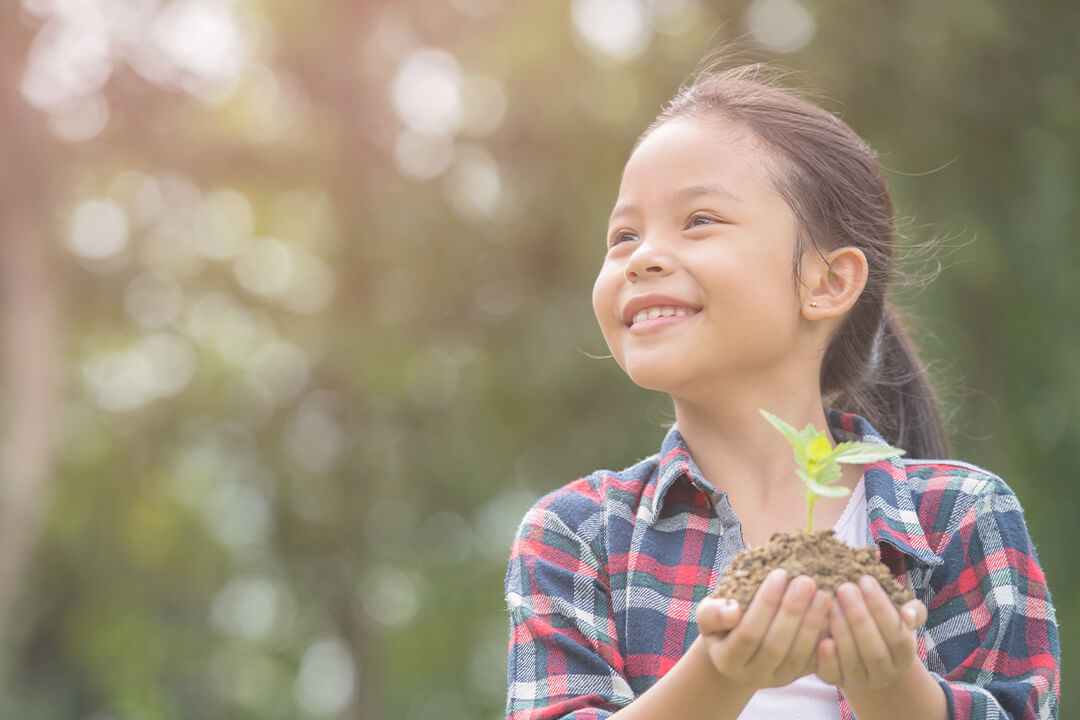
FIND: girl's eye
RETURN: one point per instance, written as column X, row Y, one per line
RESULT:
column 620, row 236
column 699, row 220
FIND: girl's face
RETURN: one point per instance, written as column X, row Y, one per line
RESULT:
column 697, row 283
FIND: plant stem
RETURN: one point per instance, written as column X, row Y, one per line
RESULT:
column 810, row 500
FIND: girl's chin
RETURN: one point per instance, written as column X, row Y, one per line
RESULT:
column 656, row 377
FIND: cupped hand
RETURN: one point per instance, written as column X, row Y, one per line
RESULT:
column 871, row 643
column 773, row 643
column 717, row 615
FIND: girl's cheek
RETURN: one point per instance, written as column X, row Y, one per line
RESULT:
column 605, row 291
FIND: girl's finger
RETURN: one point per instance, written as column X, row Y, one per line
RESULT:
column 743, row 641
column 785, row 625
column 828, row 662
column 851, row 665
column 881, row 608
column 899, row 640
column 872, row 648
column 800, row 658
column 914, row 614
column 717, row 615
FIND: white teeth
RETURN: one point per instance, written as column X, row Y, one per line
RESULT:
column 653, row 313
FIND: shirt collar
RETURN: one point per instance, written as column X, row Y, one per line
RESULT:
column 891, row 507
column 675, row 462
column 889, row 501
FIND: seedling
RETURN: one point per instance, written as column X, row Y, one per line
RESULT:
column 817, row 463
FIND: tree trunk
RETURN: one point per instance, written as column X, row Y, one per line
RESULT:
column 28, row 319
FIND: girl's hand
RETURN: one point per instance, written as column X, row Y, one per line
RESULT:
column 773, row 643
column 717, row 615
column 872, row 643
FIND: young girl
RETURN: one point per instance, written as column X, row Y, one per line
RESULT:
column 748, row 256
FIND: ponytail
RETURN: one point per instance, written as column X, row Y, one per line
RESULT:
column 892, row 391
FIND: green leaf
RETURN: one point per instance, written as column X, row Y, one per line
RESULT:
column 828, row 474
column 861, row 452
column 789, row 432
column 808, row 434
column 833, row 491
column 815, row 460
column 814, row 483
column 818, row 488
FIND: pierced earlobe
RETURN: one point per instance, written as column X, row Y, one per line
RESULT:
column 836, row 283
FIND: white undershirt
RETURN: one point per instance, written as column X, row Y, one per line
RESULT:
column 809, row 697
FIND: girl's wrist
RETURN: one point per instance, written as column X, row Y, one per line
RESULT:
column 915, row 691
column 692, row 689
column 717, row 681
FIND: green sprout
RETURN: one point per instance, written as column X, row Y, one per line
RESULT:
column 818, row 463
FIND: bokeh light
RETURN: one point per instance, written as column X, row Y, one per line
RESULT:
column 99, row 230
column 326, row 680
column 426, row 92
column 619, row 29
column 781, row 25
column 297, row 315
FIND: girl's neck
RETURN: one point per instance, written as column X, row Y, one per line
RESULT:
column 739, row 452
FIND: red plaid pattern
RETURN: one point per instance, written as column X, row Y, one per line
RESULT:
column 605, row 573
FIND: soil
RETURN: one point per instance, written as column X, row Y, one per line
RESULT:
column 820, row 555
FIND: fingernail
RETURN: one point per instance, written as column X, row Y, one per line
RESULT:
column 868, row 583
column 909, row 615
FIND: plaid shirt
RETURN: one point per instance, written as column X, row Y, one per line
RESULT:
column 605, row 573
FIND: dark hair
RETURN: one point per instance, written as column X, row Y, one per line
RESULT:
column 832, row 181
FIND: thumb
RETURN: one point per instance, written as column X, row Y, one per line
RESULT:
column 717, row 615
column 914, row 614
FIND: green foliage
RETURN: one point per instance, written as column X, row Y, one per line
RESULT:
column 310, row 396
column 817, row 462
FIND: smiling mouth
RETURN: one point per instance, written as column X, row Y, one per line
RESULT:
column 662, row 311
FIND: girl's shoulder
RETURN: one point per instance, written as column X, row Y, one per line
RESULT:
column 949, row 494
column 952, row 476
column 585, row 504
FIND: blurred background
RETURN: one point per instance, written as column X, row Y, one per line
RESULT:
column 296, row 319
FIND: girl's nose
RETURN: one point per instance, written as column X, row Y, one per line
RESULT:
column 646, row 260
column 632, row 275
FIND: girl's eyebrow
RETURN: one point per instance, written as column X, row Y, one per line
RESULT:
column 682, row 195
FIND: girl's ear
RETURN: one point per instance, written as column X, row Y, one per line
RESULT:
column 834, row 283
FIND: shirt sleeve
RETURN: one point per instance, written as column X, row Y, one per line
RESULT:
column 564, row 654
column 991, row 630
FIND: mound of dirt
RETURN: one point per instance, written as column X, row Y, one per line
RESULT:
column 820, row 555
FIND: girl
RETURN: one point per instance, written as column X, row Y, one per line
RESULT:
column 748, row 255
